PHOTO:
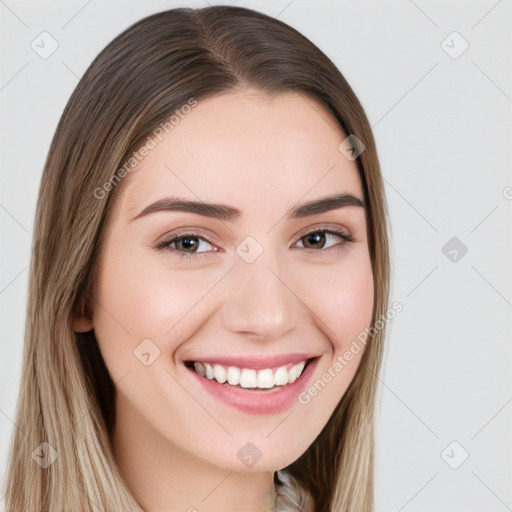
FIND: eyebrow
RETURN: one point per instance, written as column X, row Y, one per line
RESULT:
column 230, row 213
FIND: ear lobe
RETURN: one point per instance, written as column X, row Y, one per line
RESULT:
column 82, row 318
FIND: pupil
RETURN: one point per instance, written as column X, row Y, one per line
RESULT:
column 188, row 242
column 317, row 237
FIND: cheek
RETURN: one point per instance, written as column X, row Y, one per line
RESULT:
column 139, row 300
column 345, row 307
column 344, row 302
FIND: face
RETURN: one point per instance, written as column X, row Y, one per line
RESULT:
column 256, row 290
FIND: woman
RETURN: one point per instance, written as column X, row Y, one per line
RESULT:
column 211, row 254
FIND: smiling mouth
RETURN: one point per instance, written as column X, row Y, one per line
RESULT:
column 250, row 379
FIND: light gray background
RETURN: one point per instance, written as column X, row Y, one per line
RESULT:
column 443, row 128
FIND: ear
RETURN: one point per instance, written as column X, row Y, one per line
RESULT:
column 82, row 318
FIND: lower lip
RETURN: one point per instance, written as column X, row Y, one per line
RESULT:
column 255, row 402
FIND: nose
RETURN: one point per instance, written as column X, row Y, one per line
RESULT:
column 262, row 302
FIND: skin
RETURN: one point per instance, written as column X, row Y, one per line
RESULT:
column 174, row 443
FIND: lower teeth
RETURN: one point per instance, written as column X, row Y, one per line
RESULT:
column 251, row 389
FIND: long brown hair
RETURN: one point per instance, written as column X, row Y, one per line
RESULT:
column 67, row 397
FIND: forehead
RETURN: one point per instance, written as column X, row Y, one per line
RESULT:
column 242, row 145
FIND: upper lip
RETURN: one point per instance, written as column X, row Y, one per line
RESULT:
column 255, row 361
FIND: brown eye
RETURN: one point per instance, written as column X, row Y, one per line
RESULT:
column 319, row 238
column 314, row 240
column 187, row 243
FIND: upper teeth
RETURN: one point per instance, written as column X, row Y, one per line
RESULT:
column 248, row 377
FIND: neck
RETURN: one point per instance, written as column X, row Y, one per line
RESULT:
column 164, row 477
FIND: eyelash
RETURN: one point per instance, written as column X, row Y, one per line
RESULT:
column 165, row 244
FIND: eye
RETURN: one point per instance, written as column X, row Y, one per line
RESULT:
column 321, row 237
column 186, row 245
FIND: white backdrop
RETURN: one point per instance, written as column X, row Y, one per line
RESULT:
column 435, row 80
